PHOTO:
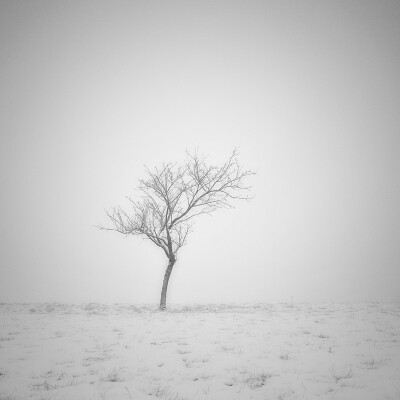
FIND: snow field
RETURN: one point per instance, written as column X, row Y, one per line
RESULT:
column 220, row 352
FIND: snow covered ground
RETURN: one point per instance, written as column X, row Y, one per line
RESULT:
column 261, row 352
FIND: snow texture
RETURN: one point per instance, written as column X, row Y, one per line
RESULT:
column 224, row 352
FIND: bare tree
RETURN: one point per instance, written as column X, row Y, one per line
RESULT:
column 171, row 196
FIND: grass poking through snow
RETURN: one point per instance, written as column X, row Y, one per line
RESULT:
column 200, row 352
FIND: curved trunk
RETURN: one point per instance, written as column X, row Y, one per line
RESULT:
column 163, row 301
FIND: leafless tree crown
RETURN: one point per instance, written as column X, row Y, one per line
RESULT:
column 170, row 196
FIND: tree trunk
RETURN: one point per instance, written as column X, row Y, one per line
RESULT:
column 163, row 301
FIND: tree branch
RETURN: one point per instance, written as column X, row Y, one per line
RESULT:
column 173, row 195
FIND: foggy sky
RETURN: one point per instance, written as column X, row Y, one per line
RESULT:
column 308, row 90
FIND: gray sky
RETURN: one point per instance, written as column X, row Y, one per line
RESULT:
column 309, row 92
